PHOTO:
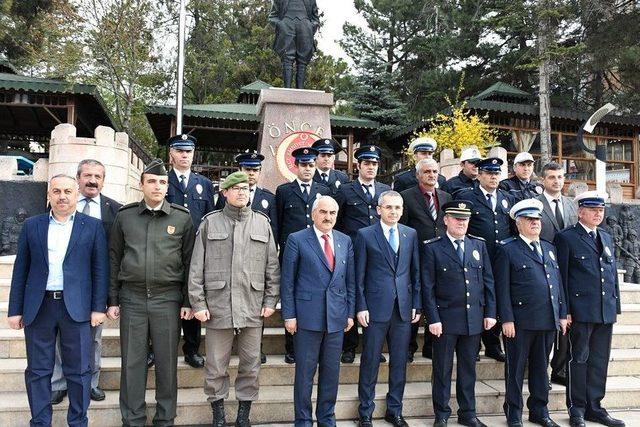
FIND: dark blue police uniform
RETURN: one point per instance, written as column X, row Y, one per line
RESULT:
column 458, row 183
column 334, row 178
column 521, row 190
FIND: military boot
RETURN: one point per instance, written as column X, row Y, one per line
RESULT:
column 219, row 419
column 287, row 74
column 242, row 420
column 301, row 73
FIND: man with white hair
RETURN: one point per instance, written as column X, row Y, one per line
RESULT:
column 422, row 148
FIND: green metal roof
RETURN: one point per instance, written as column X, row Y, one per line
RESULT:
column 36, row 84
column 502, row 89
column 255, row 87
column 247, row 112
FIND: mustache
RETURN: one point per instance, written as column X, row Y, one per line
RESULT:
column 91, row 185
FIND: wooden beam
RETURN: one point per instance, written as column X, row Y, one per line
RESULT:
column 350, row 153
column 53, row 115
column 71, row 111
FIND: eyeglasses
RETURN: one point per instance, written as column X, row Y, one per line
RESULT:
column 240, row 189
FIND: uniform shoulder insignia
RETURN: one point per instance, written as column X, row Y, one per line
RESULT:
column 212, row 212
column 180, row 208
column 129, row 205
column 435, row 239
column 507, row 240
column 261, row 213
column 266, row 191
column 475, row 237
column 465, row 189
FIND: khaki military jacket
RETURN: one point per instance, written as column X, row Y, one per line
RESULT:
column 234, row 268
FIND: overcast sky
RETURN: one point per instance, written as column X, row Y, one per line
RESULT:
column 336, row 12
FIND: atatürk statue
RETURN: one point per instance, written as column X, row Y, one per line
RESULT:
column 296, row 22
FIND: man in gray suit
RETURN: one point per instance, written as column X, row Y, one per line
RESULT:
column 558, row 213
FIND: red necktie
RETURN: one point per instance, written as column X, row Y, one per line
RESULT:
column 328, row 253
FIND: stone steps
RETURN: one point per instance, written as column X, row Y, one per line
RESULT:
column 6, row 266
column 275, row 404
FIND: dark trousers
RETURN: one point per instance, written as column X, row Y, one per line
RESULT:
column 560, row 351
column 143, row 318
column 428, row 340
column 396, row 333
column 589, row 350
column 294, row 40
column 465, row 348
column 351, row 338
column 491, row 339
column 191, row 333
column 316, row 350
column 530, row 348
column 76, row 352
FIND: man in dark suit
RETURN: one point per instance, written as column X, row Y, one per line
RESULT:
column 59, row 286
column 422, row 212
column 358, row 202
column 459, row 303
column 296, row 22
column 325, row 173
column 294, row 201
column 387, row 303
column 531, row 308
column 588, row 267
column 468, row 176
column 558, row 213
column 317, row 291
column 520, row 185
column 90, row 176
column 422, row 148
column 490, row 220
column 195, row 192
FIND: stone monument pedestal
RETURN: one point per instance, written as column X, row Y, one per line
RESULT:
column 289, row 119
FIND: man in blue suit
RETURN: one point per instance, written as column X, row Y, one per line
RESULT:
column 195, row 192
column 325, row 172
column 459, row 303
column 531, row 307
column 387, row 302
column 317, row 291
column 586, row 257
column 358, row 201
column 59, row 286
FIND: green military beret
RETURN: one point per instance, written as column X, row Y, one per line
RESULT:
column 233, row 179
column 156, row 167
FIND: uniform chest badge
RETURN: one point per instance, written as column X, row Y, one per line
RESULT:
column 264, row 203
column 199, row 188
column 505, row 204
column 607, row 250
column 538, row 189
column 171, row 229
column 337, row 184
column 476, row 255
column 552, row 256
column 318, row 195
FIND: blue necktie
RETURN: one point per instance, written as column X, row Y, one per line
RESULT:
column 183, row 182
column 305, row 192
column 534, row 245
column 459, row 250
column 490, row 201
column 366, row 187
column 393, row 240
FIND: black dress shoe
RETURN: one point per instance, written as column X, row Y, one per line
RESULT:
column 558, row 379
column 410, row 357
column 194, row 360
column 383, row 359
column 348, row 356
column 607, row 420
column 514, row 423
column 545, row 422
column 263, row 358
column 365, row 422
column 440, row 423
column 97, row 394
column 396, row 420
column 151, row 359
column 57, row 396
column 577, row 422
column 290, row 358
column 496, row 354
column 471, row 422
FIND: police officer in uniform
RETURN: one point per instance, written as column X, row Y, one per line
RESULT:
column 294, row 201
column 423, row 148
column 531, row 308
column 325, row 174
column 588, row 267
column 195, row 192
column 468, row 176
column 459, row 303
column 520, row 185
column 358, row 201
column 150, row 250
column 490, row 220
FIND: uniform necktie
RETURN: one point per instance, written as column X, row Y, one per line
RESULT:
column 328, row 253
column 490, row 200
column 367, row 192
column 535, row 246
column 87, row 209
column 251, row 194
column 305, row 191
column 432, row 206
column 325, row 177
column 183, row 182
column 594, row 236
column 559, row 218
column 459, row 250
column 393, row 240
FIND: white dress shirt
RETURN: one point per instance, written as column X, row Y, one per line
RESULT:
column 94, row 206
column 552, row 204
column 372, row 189
column 186, row 174
column 58, row 237
column 319, row 235
column 453, row 241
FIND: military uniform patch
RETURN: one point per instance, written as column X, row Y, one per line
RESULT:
column 199, row 188
column 476, row 255
column 552, row 256
column 171, row 229
column 264, row 203
column 505, row 204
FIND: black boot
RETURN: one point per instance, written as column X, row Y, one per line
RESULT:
column 301, row 73
column 242, row 420
column 287, row 74
column 219, row 419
